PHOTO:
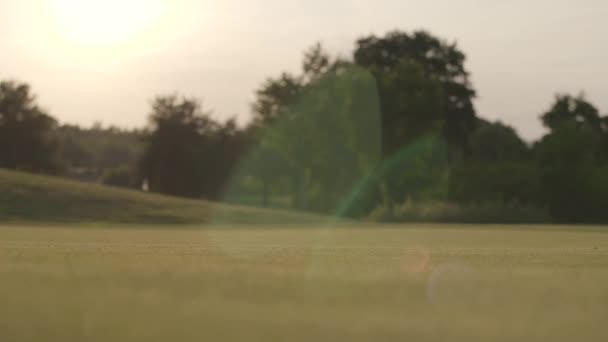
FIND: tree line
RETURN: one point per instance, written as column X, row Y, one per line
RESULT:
column 393, row 123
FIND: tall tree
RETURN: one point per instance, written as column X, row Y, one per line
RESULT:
column 25, row 130
column 496, row 142
column 573, row 159
column 172, row 162
column 319, row 128
column 439, row 62
column 274, row 97
column 576, row 110
column 499, row 168
column 187, row 152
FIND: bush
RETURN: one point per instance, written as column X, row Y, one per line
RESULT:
column 497, row 182
column 122, row 176
column 448, row 212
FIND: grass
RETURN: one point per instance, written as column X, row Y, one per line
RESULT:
column 27, row 198
column 153, row 268
column 376, row 283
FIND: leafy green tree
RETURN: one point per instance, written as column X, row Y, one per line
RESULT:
column 499, row 168
column 337, row 125
column 73, row 153
column 266, row 164
column 316, row 63
column 274, row 97
column 417, row 171
column 503, row 181
column 412, row 106
column 566, row 158
column 26, row 140
column 441, row 64
column 494, row 142
column 568, row 109
column 426, row 100
column 572, row 158
column 315, row 115
column 320, row 129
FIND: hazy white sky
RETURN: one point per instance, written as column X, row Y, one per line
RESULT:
column 520, row 52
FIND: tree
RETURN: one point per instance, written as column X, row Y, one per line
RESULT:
column 422, row 96
column 332, row 136
column 495, row 142
column 566, row 157
column 502, row 181
column 122, row 176
column 499, row 168
column 418, row 85
column 277, row 95
column 579, row 114
column 172, row 162
column 568, row 109
column 90, row 153
column 264, row 163
column 26, row 140
column 188, row 153
column 412, row 106
column 319, row 128
column 316, row 62
column 73, row 154
column 573, row 158
column 425, row 100
column 274, row 97
column 439, row 63
column 224, row 146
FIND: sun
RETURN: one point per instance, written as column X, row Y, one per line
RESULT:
column 105, row 22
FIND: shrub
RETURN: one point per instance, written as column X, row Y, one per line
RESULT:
column 449, row 212
column 122, row 176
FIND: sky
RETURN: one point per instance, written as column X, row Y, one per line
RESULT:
column 104, row 60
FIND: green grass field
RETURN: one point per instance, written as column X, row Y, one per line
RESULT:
column 81, row 262
column 27, row 198
column 304, row 283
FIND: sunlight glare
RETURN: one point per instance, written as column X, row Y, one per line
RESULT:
column 105, row 22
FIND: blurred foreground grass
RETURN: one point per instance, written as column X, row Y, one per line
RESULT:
column 383, row 283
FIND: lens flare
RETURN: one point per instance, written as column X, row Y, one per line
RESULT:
column 449, row 286
column 416, row 261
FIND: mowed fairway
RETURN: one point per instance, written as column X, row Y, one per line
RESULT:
column 364, row 283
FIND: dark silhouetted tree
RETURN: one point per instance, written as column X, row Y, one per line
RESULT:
column 187, row 152
column 494, row 142
column 424, row 92
column 573, row 160
column 274, row 97
column 172, row 162
column 26, row 140
column 568, row 109
column 436, row 62
column 498, row 168
column 90, row 153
